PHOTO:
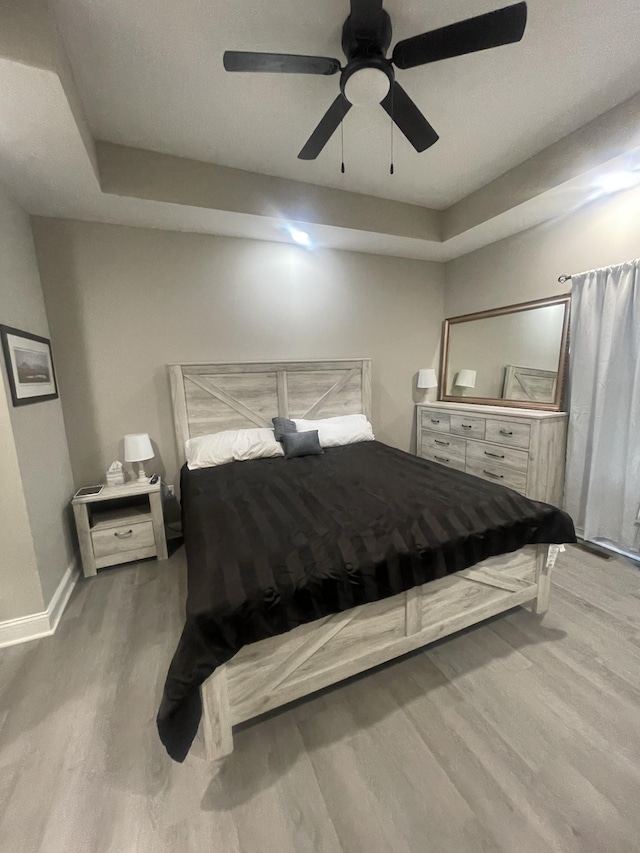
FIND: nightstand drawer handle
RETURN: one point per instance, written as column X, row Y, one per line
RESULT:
column 506, row 432
column 443, row 443
column 434, row 421
column 466, row 426
column 123, row 535
column 494, row 455
column 491, row 474
column 440, row 458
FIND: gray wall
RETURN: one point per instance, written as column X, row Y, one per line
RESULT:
column 123, row 302
column 20, row 590
column 38, row 429
column 527, row 266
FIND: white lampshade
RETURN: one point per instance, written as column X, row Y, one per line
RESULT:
column 427, row 378
column 466, row 378
column 137, row 447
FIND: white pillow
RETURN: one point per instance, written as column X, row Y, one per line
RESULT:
column 336, row 432
column 233, row 445
column 303, row 425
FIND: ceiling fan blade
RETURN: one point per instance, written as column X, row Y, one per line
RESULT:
column 279, row 63
column 409, row 119
column 329, row 123
column 504, row 26
column 366, row 18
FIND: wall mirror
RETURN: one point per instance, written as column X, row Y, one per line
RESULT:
column 512, row 356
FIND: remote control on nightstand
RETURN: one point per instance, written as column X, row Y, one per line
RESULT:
column 154, row 480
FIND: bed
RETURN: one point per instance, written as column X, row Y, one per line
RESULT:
column 303, row 572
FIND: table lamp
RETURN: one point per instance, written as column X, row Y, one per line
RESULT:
column 466, row 378
column 137, row 448
column 427, row 378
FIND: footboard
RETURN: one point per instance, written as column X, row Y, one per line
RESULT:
column 278, row 670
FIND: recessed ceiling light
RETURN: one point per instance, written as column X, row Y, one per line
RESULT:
column 618, row 181
column 300, row 237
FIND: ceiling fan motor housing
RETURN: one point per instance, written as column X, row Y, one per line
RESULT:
column 368, row 75
column 374, row 42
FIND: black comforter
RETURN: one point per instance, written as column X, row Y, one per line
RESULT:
column 275, row 543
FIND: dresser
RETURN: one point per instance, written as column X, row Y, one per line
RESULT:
column 522, row 449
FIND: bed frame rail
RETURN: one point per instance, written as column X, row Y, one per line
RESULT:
column 276, row 671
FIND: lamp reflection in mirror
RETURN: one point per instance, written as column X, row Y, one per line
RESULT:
column 427, row 379
column 137, row 448
column 466, row 378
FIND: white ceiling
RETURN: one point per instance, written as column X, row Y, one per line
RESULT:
column 150, row 75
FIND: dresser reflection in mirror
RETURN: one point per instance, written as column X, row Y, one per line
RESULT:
column 512, row 356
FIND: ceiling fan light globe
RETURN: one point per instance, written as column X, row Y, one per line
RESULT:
column 367, row 87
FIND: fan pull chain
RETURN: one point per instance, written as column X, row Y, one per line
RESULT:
column 342, row 138
column 391, row 165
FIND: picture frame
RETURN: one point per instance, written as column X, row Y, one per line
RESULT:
column 29, row 364
column 526, row 398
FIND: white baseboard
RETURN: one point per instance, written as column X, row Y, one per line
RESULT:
column 62, row 594
column 26, row 628
column 37, row 625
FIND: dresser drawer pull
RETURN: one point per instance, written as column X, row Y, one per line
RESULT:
column 440, row 458
column 506, row 432
column 491, row 474
column 434, row 421
column 494, row 455
column 123, row 535
column 466, row 426
column 443, row 443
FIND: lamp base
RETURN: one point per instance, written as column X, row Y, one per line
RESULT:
column 142, row 477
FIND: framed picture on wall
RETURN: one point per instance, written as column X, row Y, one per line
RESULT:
column 29, row 366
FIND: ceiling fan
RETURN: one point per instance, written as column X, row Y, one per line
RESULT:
column 369, row 77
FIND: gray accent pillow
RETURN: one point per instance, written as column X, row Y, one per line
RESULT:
column 281, row 426
column 301, row 444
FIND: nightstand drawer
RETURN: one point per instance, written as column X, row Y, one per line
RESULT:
column 469, row 427
column 491, row 454
column 435, row 420
column 108, row 541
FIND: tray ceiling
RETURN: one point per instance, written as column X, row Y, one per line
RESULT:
column 149, row 74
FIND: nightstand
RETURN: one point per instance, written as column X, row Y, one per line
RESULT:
column 119, row 525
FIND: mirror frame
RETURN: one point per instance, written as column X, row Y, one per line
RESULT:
column 556, row 405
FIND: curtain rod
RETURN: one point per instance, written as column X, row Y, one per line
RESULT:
column 564, row 278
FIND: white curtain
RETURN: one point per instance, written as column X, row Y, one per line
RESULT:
column 602, row 491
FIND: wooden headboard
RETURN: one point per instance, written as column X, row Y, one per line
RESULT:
column 213, row 397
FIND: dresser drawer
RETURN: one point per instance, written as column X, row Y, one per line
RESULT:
column 436, row 442
column 497, row 474
column 435, row 420
column 443, row 458
column 469, row 427
column 514, row 433
column 108, row 541
column 491, row 454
